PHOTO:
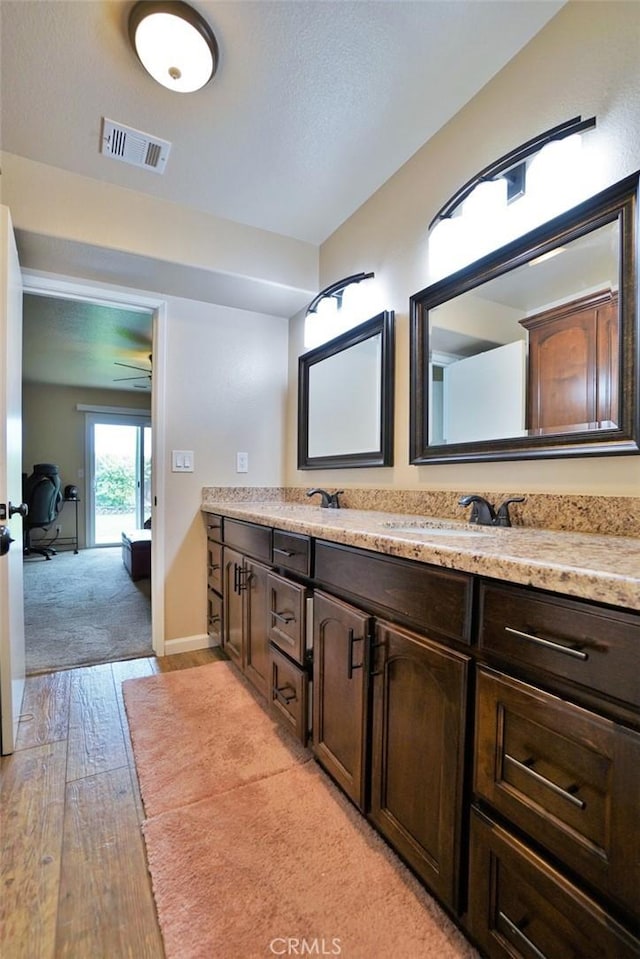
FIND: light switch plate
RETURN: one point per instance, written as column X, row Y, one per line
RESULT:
column 182, row 461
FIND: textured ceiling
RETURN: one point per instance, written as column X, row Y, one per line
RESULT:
column 315, row 103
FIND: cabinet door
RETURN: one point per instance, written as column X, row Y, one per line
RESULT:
column 340, row 641
column 232, row 612
column 419, row 707
column 253, row 586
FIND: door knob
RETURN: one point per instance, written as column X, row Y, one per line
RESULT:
column 5, row 540
column 23, row 509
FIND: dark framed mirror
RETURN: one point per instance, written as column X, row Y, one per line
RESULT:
column 345, row 399
column 532, row 351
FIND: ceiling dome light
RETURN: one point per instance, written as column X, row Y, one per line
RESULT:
column 173, row 43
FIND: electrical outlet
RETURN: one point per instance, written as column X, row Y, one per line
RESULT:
column 242, row 462
column 58, row 528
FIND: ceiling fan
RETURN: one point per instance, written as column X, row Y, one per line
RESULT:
column 144, row 375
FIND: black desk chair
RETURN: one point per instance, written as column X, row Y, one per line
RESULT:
column 43, row 496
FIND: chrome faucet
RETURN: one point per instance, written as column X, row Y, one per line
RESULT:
column 329, row 500
column 484, row 514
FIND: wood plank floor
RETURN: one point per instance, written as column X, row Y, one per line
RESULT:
column 75, row 883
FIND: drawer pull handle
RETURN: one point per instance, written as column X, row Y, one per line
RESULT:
column 550, row 644
column 282, row 617
column 285, row 552
column 511, row 926
column 214, row 619
column 350, row 663
column 213, row 567
column 558, row 790
column 280, row 693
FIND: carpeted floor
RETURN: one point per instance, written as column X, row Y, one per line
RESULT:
column 83, row 609
column 250, row 857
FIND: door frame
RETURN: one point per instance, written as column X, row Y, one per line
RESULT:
column 47, row 284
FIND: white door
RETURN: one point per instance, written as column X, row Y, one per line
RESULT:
column 484, row 395
column 12, row 659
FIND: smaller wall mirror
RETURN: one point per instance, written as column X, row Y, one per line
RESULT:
column 345, row 399
column 533, row 350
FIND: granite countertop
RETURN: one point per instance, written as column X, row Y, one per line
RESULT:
column 591, row 566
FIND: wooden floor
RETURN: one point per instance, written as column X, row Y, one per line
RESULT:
column 74, row 873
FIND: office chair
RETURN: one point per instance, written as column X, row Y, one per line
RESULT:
column 42, row 495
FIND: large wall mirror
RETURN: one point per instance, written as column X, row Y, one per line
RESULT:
column 345, row 399
column 533, row 350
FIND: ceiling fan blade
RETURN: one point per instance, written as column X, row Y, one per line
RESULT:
column 130, row 367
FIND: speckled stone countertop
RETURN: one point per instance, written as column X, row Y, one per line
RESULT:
column 591, row 566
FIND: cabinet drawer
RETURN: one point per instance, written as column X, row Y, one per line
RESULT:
column 584, row 643
column 425, row 596
column 288, row 693
column 214, row 565
column 214, row 616
column 521, row 908
column 286, row 616
column 214, row 527
column 292, row 551
column 249, row 538
column 568, row 778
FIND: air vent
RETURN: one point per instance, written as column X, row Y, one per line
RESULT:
column 134, row 147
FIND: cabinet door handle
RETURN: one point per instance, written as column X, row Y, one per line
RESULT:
column 284, row 552
column 235, row 577
column 518, row 933
column 282, row 618
column 549, row 643
column 350, row 664
column 214, row 619
column 558, row 790
column 213, row 567
column 279, row 693
column 243, row 578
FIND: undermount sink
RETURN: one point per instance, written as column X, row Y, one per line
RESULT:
column 433, row 530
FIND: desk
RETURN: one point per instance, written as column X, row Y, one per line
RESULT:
column 69, row 540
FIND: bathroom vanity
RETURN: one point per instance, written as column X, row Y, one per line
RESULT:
column 474, row 691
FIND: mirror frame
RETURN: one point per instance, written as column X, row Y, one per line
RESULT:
column 381, row 325
column 619, row 202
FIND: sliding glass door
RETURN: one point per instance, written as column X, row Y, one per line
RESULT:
column 119, row 460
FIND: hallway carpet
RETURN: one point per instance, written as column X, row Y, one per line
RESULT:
column 82, row 610
column 269, row 860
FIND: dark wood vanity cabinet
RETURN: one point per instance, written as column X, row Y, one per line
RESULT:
column 489, row 731
column 554, row 841
column 214, row 579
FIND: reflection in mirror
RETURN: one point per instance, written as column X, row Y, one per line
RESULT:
column 345, row 399
column 519, row 354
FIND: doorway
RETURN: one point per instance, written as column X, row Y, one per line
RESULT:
column 141, row 449
column 119, row 476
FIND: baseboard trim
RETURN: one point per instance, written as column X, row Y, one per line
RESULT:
column 186, row 644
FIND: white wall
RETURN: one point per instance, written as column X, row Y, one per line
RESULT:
column 226, row 376
column 585, row 61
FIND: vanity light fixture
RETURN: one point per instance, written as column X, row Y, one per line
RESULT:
column 512, row 166
column 174, row 44
column 336, row 290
